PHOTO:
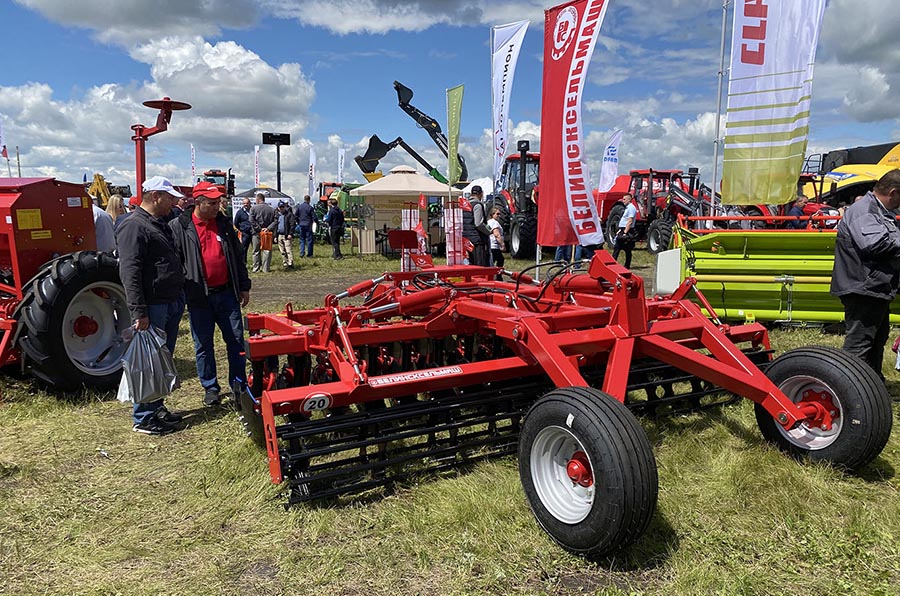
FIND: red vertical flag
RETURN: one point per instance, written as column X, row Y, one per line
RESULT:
column 3, row 152
column 423, row 202
column 568, row 212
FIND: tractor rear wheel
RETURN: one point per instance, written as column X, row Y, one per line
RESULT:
column 854, row 394
column 587, row 470
column 659, row 235
column 612, row 223
column 72, row 317
column 522, row 237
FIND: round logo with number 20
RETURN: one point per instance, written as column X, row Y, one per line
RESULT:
column 316, row 402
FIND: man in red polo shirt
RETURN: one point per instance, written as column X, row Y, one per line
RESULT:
column 216, row 286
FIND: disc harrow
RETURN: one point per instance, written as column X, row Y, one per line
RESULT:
column 422, row 372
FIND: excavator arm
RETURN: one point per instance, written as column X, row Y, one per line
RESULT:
column 378, row 149
column 431, row 126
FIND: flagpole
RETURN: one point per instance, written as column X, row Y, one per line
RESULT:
column 18, row 162
column 715, row 180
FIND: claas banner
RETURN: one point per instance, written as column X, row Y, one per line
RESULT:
column 567, row 213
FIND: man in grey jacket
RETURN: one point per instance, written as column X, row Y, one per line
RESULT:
column 866, row 271
column 262, row 217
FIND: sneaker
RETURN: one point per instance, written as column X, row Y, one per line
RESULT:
column 153, row 426
column 169, row 417
column 212, row 397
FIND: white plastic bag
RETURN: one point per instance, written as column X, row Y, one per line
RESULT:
column 148, row 369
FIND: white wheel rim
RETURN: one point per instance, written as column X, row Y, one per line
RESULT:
column 98, row 352
column 805, row 436
column 566, row 500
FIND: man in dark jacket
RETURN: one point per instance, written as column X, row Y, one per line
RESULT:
column 335, row 220
column 216, row 286
column 475, row 228
column 866, row 271
column 305, row 215
column 284, row 233
column 262, row 217
column 242, row 223
column 153, row 279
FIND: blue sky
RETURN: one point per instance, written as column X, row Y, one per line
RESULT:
column 75, row 73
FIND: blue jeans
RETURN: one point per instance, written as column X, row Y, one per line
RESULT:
column 223, row 310
column 306, row 241
column 165, row 317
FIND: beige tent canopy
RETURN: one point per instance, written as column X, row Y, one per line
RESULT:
column 404, row 182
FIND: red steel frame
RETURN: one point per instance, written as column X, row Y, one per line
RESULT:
column 575, row 321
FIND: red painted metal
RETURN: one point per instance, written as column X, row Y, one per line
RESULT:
column 579, row 469
column 141, row 133
column 570, row 325
column 85, row 326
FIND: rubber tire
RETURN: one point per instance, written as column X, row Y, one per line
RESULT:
column 612, row 223
column 42, row 311
column 659, row 236
column 522, row 236
column 863, row 399
column 759, row 224
column 623, row 465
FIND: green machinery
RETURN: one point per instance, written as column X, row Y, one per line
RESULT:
column 764, row 275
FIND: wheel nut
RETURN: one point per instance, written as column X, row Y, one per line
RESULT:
column 782, row 418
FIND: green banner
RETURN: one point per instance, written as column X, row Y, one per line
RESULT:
column 454, row 113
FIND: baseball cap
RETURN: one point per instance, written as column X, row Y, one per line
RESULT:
column 477, row 190
column 134, row 201
column 159, row 183
column 208, row 190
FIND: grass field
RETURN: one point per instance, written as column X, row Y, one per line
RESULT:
column 89, row 507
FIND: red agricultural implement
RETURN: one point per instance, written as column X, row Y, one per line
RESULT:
column 448, row 366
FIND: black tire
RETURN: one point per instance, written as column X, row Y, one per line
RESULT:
column 71, row 319
column 857, row 394
column 757, row 224
column 612, row 223
column 577, row 420
column 522, row 236
column 659, row 235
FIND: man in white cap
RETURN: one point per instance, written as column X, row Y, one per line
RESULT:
column 153, row 278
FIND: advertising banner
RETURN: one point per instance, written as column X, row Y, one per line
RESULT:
column 769, row 89
column 506, row 42
column 454, row 114
column 312, row 172
column 567, row 212
column 609, row 170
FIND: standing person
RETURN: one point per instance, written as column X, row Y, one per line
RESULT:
column 103, row 228
column 866, row 271
column 153, row 279
column 497, row 243
column 115, row 207
column 284, row 233
column 335, row 220
column 305, row 215
column 262, row 217
column 216, row 287
column 624, row 240
column 242, row 223
column 475, row 228
column 797, row 211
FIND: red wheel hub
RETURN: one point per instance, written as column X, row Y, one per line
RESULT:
column 579, row 469
column 819, row 408
column 85, row 326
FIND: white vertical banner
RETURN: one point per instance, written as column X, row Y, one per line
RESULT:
column 769, row 92
column 3, row 152
column 506, row 41
column 193, row 166
column 256, row 166
column 312, row 172
column 340, row 165
column 409, row 219
column 609, row 169
column 453, row 233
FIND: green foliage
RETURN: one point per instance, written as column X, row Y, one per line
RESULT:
column 89, row 507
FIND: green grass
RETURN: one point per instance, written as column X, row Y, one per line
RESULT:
column 89, row 507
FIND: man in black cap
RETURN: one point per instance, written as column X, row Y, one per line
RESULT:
column 476, row 230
